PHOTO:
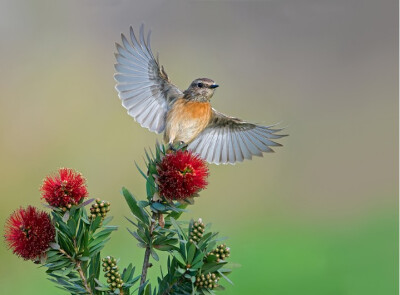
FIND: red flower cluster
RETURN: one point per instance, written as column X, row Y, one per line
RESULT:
column 63, row 190
column 181, row 174
column 28, row 232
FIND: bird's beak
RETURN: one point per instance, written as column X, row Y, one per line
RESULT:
column 214, row 86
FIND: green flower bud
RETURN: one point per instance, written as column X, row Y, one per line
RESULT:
column 100, row 208
column 196, row 231
column 208, row 280
column 221, row 252
column 111, row 273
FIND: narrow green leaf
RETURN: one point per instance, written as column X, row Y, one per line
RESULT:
column 54, row 246
column 154, row 255
column 140, row 170
column 142, row 204
column 178, row 228
column 178, row 257
column 225, row 277
column 102, row 288
column 190, row 252
column 158, row 206
column 65, row 217
column 135, row 209
column 95, row 224
column 107, row 220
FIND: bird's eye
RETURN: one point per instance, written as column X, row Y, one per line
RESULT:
column 200, row 85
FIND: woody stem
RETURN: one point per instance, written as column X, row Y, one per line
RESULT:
column 146, row 263
column 80, row 271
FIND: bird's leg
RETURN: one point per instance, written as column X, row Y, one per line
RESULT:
column 182, row 145
column 171, row 147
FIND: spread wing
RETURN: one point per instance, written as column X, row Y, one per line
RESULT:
column 230, row 140
column 142, row 85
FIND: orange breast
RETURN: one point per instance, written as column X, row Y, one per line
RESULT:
column 193, row 110
column 186, row 120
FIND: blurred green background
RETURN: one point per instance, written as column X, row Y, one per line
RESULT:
column 320, row 216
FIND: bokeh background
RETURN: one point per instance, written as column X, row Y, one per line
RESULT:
column 319, row 216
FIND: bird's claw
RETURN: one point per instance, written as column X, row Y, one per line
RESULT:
column 177, row 147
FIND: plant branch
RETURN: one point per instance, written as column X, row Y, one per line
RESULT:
column 177, row 282
column 79, row 270
column 146, row 263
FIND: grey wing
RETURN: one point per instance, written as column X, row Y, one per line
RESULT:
column 142, row 85
column 228, row 140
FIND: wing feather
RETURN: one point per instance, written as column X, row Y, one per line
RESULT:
column 228, row 140
column 218, row 148
column 224, row 142
column 257, row 142
column 231, row 149
column 236, row 145
column 210, row 150
column 204, row 149
column 142, row 85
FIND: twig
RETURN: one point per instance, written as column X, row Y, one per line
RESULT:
column 79, row 269
column 177, row 282
column 146, row 263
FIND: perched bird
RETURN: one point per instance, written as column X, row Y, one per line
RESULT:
column 185, row 117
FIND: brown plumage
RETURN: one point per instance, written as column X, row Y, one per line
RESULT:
column 186, row 119
column 153, row 101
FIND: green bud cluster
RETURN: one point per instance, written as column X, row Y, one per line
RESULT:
column 209, row 281
column 221, row 252
column 110, row 269
column 99, row 208
column 197, row 231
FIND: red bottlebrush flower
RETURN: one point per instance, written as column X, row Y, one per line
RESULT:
column 181, row 174
column 63, row 190
column 28, row 232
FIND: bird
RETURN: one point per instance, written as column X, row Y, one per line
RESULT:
column 185, row 117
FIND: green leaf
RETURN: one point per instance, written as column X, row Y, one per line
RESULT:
column 197, row 265
column 126, row 274
column 148, row 290
column 154, row 255
column 142, row 204
column 158, row 206
column 72, row 226
column 199, row 257
column 135, row 209
column 65, row 217
column 164, row 247
column 178, row 228
column 150, row 188
column 140, row 170
column 98, row 240
column 136, row 236
column 179, row 257
column 102, row 288
column 107, row 220
column 191, row 251
column 95, row 224
column 84, row 258
column 225, row 277
column 54, row 246
column 212, row 267
column 68, row 270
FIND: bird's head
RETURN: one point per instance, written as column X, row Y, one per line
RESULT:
column 201, row 89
